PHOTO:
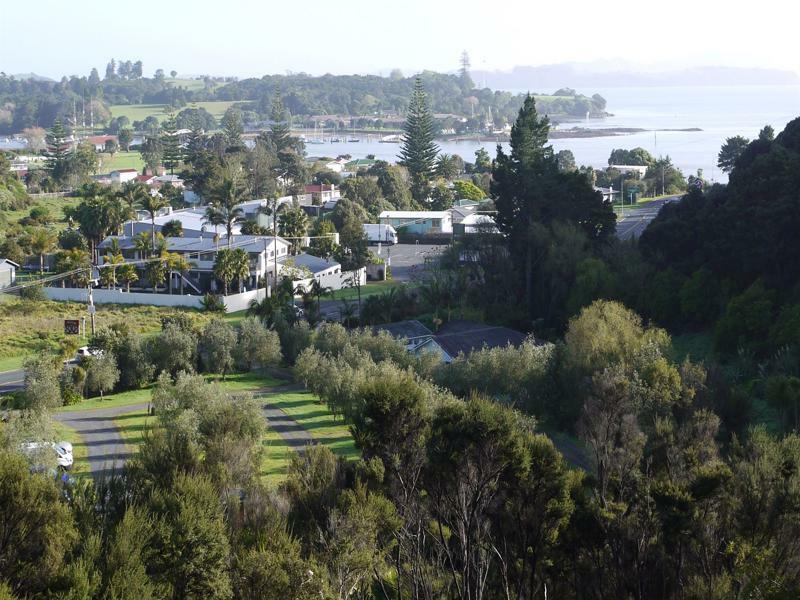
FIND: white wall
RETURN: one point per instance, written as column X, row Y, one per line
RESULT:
column 232, row 302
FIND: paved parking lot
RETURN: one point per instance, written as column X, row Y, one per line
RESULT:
column 405, row 256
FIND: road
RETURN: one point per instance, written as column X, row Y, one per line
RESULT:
column 11, row 381
column 405, row 259
column 636, row 220
column 107, row 452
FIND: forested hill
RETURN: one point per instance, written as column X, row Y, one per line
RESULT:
column 29, row 103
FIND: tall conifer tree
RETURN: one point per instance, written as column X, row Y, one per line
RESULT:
column 172, row 153
column 418, row 151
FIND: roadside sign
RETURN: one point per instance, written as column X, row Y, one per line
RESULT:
column 72, row 326
column 634, row 189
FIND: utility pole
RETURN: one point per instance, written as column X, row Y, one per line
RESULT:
column 91, row 307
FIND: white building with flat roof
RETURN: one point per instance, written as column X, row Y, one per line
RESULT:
column 418, row 221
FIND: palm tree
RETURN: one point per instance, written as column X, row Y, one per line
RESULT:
column 74, row 260
column 180, row 264
column 41, row 242
column 144, row 245
column 318, row 290
column 156, row 271
column 153, row 204
column 294, row 224
column 224, row 269
column 128, row 275
column 133, row 193
column 240, row 265
column 225, row 199
column 108, row 275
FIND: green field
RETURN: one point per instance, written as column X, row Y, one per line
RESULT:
column 120, row 160
column 190, row 84
column 54, row 204
column 371, row 289
column 27, row 326
column 139, row 112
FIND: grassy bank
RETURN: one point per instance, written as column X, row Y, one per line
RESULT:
column 35, row 326
column 139, row 112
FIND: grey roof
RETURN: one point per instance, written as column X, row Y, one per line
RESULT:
column 6, row 261
column 315, row 264
column 408, row 330
column 457, row 337
column 250, row 243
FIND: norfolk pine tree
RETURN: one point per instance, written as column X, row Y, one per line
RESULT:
column 418, row 151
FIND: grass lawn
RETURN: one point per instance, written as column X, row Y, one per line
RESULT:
column 27, row 327
column 377, row 287
column 190, row 84
column 120, row 160
column 110, row 400
column 317, row 419
column 139, row 112
column 80, row 465
column 54, row 204
column 11, row 363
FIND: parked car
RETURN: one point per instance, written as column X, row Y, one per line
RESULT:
column 86, row 351
column 63, row 451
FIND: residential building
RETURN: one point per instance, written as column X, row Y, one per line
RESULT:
column 8, row 272
column 193, row 222
column 123, row 175
column 98, row 142
column 322, row 193
column 305, row 267
column 453, row 338
column 640, row 170
column 418, row 221
column 359, row 164
column 475, row 223
column 201, row 253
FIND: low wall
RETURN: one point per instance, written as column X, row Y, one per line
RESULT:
column 233, row 302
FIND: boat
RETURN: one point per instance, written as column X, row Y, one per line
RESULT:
column 390, row 139
column 354, row 140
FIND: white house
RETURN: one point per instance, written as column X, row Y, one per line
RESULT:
column 123, row 175
column 476, row 223
column 641, row 170
column 418, row 221
column 337, row 166
column 8, row 272
column 193, row 222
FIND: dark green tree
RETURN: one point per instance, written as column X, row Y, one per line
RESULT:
column 172, row 153
column 418, row 150
column 58, row 150
column 731, row 150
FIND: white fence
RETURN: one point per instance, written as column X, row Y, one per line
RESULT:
column 233, row 302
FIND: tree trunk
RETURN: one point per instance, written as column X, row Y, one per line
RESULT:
column 41, row 264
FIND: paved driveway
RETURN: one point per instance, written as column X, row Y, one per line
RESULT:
column 106, row 450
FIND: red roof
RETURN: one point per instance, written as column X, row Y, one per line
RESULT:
column 100, row 139
column 145, row 178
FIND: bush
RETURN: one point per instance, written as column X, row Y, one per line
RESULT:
column 746, row 322
column 33, row 293
column 213, row 303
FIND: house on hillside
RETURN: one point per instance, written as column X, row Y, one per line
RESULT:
column 8, row 272
column 475, row 223
column 322, row 193
column 453, row 338
column 418, row 221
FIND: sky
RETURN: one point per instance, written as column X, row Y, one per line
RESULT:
column 257, row 37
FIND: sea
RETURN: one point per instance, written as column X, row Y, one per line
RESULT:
column 719, row 113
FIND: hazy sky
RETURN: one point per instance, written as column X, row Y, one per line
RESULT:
column 237, row 37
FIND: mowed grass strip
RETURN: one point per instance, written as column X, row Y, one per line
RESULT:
column 316, row 418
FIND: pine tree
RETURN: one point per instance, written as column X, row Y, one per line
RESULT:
column 58, row 149
column 279, row 129
column 463, row 73
column 418, row 151
column 172, row 153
